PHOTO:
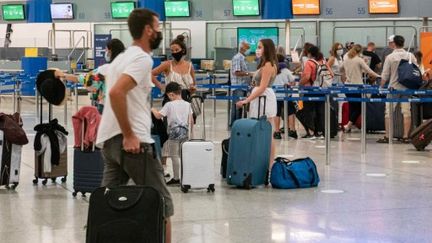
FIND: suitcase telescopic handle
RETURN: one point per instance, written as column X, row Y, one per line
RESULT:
column 82, row 137
column 41, row 109
column 201, row 100
column 259, row 105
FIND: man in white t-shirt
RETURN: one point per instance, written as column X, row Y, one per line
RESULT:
column 390, row 74
column 125, row 127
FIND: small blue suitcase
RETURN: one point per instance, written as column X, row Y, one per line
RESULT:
column 249, row 152
column 88, row 171
column 88, row 168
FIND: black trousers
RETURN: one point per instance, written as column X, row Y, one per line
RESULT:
column 354, row 108
column 315, row 109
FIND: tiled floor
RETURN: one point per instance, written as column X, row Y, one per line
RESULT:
column 396, row 207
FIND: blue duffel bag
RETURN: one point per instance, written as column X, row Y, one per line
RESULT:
column 291, row 174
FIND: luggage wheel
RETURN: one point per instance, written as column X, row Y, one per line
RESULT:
column 53, row 179
column 74, row 194
column 211, row 188
column 247, row 182
column 13, row 186
column 44, row 182
column 63, row 180
column 185, row 188
column 35, row 181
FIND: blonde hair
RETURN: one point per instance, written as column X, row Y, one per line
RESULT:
column 355, row 51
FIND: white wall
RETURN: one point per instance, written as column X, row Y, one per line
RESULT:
column 198, row 37
column 36, row 34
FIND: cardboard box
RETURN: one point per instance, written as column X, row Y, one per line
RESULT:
column 207, row 65
column 227, row 64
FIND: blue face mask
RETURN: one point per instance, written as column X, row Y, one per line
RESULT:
column 247, row 53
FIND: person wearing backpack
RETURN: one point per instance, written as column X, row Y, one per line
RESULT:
column 352, row 73
column 316, row 73
column 390, row 74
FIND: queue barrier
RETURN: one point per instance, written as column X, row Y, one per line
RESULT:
column 332, row 93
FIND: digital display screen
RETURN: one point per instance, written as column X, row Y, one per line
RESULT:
column 13, row 12
column 254, row 35
column 306, row 7
column 383, row 6
column 62, row 11
column 121, row 10
column 177, row 9
column 246, row 8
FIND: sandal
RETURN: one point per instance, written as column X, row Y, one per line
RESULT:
column 405, row 140
column 345, row 129
column 383, row 140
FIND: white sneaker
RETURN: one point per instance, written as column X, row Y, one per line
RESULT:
column 313, row 138
column 321, row 137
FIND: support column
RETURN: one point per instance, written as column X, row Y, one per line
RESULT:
column 164, row 39
column 425, row 21
column 287, row 52
column 53, row 39
column 287, row 37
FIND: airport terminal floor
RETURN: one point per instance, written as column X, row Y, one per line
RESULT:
column 384, row 196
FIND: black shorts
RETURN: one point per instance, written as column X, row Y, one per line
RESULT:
column 280, row 108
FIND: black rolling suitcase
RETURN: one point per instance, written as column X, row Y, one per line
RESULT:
column 224, row 160
column 126, row 214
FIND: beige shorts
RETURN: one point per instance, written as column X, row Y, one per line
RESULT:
column 404, row 106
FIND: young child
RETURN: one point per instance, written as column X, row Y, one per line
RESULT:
column 284, row 77
column 179, row 114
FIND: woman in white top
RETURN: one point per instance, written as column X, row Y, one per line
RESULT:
column 335, row 61
column 352, row 70
column 263, row 81
column 176, row 70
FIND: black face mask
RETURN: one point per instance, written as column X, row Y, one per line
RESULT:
column 177, row 56
column 154, row 44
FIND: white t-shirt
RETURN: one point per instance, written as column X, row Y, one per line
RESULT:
column 177, row 113
column 283, row 78
column 137, row 64
column 102, row 69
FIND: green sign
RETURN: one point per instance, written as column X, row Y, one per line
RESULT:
column 246, row 7
column 121, row 10
column 254, row 35
column 177, row 9
column 13, row 12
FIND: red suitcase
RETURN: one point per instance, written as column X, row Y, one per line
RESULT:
column 421, row 137
column 345, row 116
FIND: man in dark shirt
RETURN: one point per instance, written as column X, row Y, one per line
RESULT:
column 371, row 58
